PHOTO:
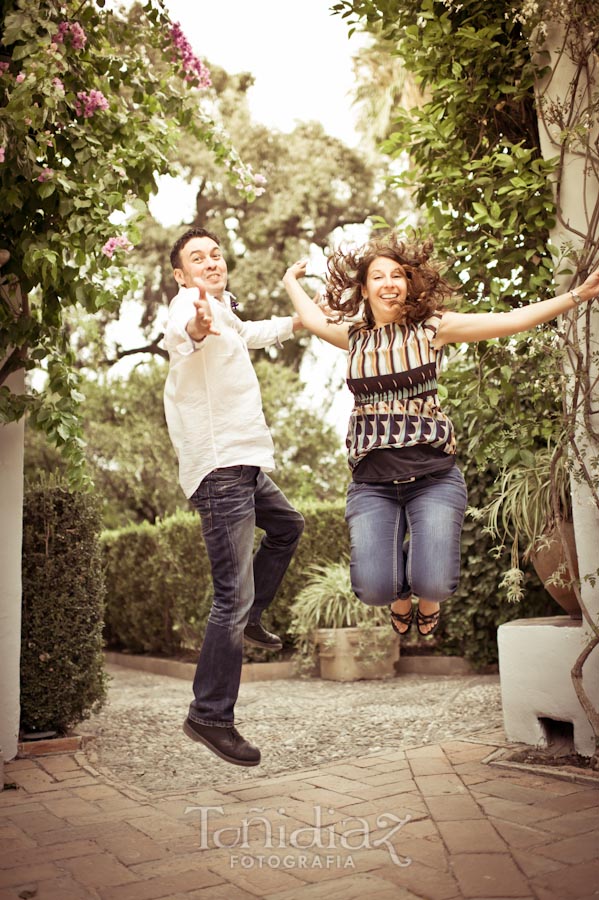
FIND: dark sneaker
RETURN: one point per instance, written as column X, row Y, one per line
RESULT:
column 258, row 636
column 225, row 741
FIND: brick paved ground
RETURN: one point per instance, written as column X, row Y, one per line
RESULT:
column 433, row 822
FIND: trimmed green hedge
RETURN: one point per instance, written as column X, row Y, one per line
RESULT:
column 159, row 586
column 62, row 676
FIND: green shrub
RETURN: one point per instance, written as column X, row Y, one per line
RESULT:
column 186, row 577
column 159, row 587
column 327, row 601
column 159, row 584
column 138, row 610
column 62, row 677
column 471, row 617
column 325, row 539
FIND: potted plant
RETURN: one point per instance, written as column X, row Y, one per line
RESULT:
column 532, row 508
column 350, row 639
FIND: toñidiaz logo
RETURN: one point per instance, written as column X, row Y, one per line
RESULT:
column 266, row 839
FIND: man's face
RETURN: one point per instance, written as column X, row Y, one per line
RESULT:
column 202, row 265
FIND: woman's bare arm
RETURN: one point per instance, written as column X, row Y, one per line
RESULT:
column 458, row 328
column 312, row 315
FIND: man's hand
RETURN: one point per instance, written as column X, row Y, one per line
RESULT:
column 201, row 324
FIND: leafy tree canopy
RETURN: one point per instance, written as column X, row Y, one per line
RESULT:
column 315, row 187
column 93, row 104
column 469, row 151
column 469, row 154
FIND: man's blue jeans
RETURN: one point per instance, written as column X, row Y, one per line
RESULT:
column 231, row 502
column 383, row 565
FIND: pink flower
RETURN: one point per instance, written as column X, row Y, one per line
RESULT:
column 58, row 84
column 259, row 180
column 20, row 77
column 76, row 33
column 87, row 104
column 195, row 70
column 78, row 37
column 113, row 243
column 2, row 154
column 63, row 29
column 4, row 67
column 46, row 174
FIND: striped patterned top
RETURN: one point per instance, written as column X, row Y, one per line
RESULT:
column 392, row 372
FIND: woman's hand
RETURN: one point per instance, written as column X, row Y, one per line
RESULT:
column 589, row 287
column 295, row 271
column 298, row 270
column 309, row 311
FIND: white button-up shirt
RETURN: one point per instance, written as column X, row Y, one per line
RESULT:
column 212, row 398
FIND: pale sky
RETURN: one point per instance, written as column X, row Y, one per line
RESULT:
column 300, row 56
column 299, row 53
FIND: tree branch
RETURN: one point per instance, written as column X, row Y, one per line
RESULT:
column 153, row 347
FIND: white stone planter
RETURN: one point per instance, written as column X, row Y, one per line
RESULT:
column 535, row 660
column 351, row 654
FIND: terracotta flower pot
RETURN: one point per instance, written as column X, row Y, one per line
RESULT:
column 548, row 558
column 350, row 654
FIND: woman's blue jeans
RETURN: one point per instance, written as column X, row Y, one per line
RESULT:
column 384, row 566
column 231, row 502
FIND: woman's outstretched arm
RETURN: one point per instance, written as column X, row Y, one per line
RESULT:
column 312, row 316
column 456, row 327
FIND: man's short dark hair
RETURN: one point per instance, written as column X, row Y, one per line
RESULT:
column 184, row 239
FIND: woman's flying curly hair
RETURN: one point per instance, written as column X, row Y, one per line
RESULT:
column 428, row 291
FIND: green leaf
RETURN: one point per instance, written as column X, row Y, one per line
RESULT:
column 46, row 189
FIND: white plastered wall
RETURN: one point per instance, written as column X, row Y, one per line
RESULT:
column 11, row 533
column 536, row 655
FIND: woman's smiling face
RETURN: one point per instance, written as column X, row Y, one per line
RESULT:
column 385, row 290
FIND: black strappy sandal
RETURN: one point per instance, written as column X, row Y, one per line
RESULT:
column 432, row 620
column 404, row 618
